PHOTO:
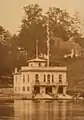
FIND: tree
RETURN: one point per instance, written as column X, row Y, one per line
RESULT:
column 62, row 24
column 62, row 27
column 32, row 29
column 17, row 56
column 4, row 50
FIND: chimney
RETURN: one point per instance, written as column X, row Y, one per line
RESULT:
column 15, row 70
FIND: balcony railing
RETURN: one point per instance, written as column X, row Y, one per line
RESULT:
column 38, row 83
column 62, row 83
column 24, row 68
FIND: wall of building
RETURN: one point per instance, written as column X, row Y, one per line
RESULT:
column 23, row 83
column 37, row 64
column 55, row 76
column 17, row 78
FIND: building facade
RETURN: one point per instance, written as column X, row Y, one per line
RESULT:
column 37, row 78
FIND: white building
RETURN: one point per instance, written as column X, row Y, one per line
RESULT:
column 37, row 78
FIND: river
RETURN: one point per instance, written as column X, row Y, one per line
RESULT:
column 41, row 110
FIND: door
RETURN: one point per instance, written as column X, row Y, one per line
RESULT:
column 48, row 90
column 60, row 90
column 36, row 90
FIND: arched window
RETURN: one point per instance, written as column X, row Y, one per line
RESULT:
column 23, row 78
column 39, row 64
column 52, row 78
column 23, row 88
column 31, row 64
column 37, row 78
column 44, row 78
column 48, row 78
column 27, row 88
column 60, row 78
column 15, row 89
column 28, row 77
column 16, row 79
column 18, row 89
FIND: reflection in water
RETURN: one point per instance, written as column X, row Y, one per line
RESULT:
column 23, row 110
column 6, row 110
column 41, row 110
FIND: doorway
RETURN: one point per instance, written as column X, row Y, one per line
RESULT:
column 48, row 90
column 60, row 90
column 36, row 90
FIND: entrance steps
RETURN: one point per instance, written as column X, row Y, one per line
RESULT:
column 43, row 96
column 47, row 96
column 64, row 97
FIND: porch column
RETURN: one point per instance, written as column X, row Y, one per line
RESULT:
column 56, row 90
column 53, row 90
column 32, row 89
column 64, row 91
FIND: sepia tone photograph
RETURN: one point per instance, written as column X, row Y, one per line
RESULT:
column 41, row 60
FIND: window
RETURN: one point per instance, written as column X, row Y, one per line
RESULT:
column 39, row 64
column 15, row 89
column 27, row 88
column 23, row 88
column 31, row 65
column 23, row 78
column 60, row 78
column 16, row 79
column 44, row 78
column 52, row 78
column 48, row 78
column 18, row 89
column 28, row 77
column 37, row 78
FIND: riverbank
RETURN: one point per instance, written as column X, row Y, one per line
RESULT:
column 37, row 97
column 8, row 94
column 13, row 96
column 25, row 98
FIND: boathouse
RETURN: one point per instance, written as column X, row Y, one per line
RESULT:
column 38, row 78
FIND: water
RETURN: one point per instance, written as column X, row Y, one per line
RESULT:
column 41, row 110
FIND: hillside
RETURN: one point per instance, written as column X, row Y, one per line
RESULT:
column 75, row 74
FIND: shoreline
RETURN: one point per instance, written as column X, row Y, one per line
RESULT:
column 8, row 94
column 30, row 97
column 7, row 98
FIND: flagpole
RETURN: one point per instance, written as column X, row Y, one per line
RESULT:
column 48, row 43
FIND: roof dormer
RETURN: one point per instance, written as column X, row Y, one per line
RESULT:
column 37, row 62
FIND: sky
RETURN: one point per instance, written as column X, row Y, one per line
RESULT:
column 11, row 11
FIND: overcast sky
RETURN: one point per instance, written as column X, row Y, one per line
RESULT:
column 11, row 11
